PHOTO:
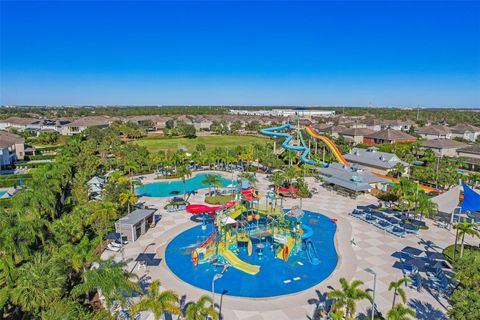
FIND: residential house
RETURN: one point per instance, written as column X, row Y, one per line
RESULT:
column 48, row 125
column 443, row 147
column 388, row 136
column 376, row 161
column 21, row 124
column 356, row 134
column 434, row 132
column 333, row 130
column 465, row 131
column 12, row 148
column 83, row 123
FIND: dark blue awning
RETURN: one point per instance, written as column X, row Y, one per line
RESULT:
column 471, row 199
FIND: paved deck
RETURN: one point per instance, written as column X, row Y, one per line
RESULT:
column 370, row 248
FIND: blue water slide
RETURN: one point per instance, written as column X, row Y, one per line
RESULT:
column 272, row 132
column 312, row 252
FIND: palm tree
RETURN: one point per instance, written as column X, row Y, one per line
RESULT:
column 199, row 311
column 184, row 172
column 127, row 198
column 425, row 206
column 398, row 290
column 110, row 279
column 157, row 302
column 211, row 180
column 401, row 312
column 463, row 229
column 277, row 179
column 348, row 296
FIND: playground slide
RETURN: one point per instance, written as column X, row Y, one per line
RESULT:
column 330, row 144
column 312, row 253
column 240, row 264
column 307, row 232
column 238, row 211
column 290, row 244
column 201, row 208
column 271, row 132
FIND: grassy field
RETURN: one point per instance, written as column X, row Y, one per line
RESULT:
column 155, row 144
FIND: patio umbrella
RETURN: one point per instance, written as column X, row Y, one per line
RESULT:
column 412, row 251
column 417, row 262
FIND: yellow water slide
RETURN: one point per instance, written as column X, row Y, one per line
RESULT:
column 330, row 144
column 240, row 264
column 238, row 211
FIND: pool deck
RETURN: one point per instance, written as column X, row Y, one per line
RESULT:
column 359, row 245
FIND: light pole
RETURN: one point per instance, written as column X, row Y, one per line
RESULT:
column 215, row 277
column 374, row 288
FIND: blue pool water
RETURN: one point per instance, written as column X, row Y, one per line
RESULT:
column 298, row 272
column 2, row 193
column 168, row 188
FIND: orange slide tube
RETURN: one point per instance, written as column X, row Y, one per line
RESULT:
column 330, row 144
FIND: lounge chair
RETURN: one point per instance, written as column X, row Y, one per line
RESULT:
column 370, row 219
column 409, row 228
column 393, row 220
column 397, row 231
column 382, row 224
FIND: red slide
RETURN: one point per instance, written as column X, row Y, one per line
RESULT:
column 201, row 208
column 292, row 190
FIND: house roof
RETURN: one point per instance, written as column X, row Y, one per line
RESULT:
column 354, row 178
column 443, row 144
column 357, row 132
column 473, row 149
column 8, row 139
column 20, row 121
column 434, row 130
column 373, row 157
column 91, row 121
column 96, row 180
column 464, row 127
column 136, row 216
column 390, row 135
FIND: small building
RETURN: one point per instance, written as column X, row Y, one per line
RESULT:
column 443, row 147
column 12, row 148
column 333, row 130
column 376, row 161
column 353, row 179
column 356, row 134
column 135, row 223
column 471, row 156
column 388, row 136
column 465, row 131
column 21, row 124
column 434, row 132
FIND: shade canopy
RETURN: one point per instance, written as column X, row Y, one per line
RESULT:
column 471, row 199
column 447, row 201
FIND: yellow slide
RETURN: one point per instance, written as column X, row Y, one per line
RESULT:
column 290, row 244
column 240, row 264
column 330, row 144
column 238, row 211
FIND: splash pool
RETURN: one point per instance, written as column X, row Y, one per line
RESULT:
column 170, row 188
column 276, row 277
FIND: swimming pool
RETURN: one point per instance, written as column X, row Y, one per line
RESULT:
column 171, row 188
column 276, row 277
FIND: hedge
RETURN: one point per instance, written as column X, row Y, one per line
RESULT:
column 12, row 182
column 15, row 176
column 218, row 200
column 41, row 157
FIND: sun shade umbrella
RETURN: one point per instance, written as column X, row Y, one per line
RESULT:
column 412, row 251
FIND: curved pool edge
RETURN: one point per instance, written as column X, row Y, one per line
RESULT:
column 346, row 265
column 225, row 174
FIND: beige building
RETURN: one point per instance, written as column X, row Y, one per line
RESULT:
column 83, row 123
column 356, row 134
column 12, row 148
column 443, row 147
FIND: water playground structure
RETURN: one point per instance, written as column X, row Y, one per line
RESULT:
column 244, row 225
column 302, row 146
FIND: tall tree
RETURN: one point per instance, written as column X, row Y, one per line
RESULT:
column 158, row 302
column 464, row 228
column 396, row 286
column 401, row 312
column 347, row 297
column 202, row 309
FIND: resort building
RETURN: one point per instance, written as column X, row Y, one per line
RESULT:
column 301, row 112
column 83, row 123
column 135, row 223
column 388, row 136
column 443, row 147
column 356, row 135
column 12, row 148
column 353, row 179
column 376, row 161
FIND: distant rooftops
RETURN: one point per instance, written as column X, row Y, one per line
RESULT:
column 8, row 139
column 391, row 135
column 443, row 144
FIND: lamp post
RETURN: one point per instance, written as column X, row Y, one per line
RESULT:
column 215, row 277
column 374, row 288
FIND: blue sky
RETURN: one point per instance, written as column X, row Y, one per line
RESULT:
column 230, row 53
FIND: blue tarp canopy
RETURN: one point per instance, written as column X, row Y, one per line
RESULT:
column 471, row 199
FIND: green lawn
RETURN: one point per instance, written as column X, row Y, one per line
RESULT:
column 155, row 144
